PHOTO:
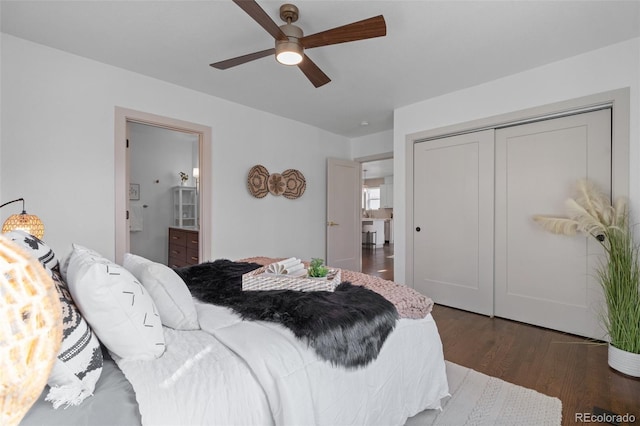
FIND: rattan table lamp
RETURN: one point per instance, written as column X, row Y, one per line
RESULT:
column 30, row 330
column 28, row 222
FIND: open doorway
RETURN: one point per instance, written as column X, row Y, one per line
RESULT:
column 377, row 217
column 126, row 194
column 164, row 164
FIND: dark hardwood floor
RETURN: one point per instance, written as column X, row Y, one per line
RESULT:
column 571, row 368
column 378, row 261
column 568, row 367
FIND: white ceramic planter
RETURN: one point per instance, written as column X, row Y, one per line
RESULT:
column 624, row 362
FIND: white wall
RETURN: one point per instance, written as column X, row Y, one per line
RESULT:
column 57, row 151
column 610, row 68
column 374, row 144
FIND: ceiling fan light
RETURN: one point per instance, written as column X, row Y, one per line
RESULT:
column 288, row 53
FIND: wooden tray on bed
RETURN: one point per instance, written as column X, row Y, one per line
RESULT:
column 259, row 280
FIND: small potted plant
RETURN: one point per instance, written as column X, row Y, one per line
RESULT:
column 183, row 178
column 317, row 269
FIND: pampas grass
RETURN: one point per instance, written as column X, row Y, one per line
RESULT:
column 558, row 225
column 592, row 213
column 589, row 212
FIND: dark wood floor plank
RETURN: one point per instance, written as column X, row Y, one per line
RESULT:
column 377, row 261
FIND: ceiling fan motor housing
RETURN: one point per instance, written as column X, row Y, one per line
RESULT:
column 290, row 51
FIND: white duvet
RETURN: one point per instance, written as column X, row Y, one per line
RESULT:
column 235, row 372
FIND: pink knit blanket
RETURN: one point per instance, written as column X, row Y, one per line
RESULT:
column 408, row 302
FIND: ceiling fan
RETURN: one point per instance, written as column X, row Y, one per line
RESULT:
column 290, row 41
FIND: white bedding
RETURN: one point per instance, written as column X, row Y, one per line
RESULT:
column 253, row 372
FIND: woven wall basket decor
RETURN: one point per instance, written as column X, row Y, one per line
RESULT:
column 294, row 183
column 290, row 183
column 257, row 181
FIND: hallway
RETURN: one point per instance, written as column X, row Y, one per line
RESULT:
column 378, row 261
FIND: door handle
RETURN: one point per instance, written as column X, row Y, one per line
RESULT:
column 332, row 223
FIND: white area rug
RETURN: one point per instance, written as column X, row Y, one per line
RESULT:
column 478, row 399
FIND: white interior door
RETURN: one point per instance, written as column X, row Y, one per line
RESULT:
column 343, row 214
column 453, row 220
column 542, row 278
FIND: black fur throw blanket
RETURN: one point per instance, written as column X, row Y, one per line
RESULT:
column 346, row 327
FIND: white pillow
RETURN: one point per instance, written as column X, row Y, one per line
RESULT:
column 116, row 305
column 64, row 263
column 168, row 291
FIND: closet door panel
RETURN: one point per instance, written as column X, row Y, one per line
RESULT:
column 453, row 221
column 542, row 278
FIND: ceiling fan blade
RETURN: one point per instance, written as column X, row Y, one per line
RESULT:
column 367, row 28
column 313, row 72
column 223, row 65
column 258, row 14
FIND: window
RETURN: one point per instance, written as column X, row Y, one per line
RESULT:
column 371, row 198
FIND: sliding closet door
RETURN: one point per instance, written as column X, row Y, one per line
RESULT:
column 453, row 221
column 542, row 278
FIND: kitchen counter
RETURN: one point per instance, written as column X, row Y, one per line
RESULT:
column 378, row 226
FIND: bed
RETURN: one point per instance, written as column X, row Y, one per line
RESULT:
column 215, row 364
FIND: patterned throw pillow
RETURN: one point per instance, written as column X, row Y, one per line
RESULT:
column 116, row 305
column 36, row 247
column 79, row 364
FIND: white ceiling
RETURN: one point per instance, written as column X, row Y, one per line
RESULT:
column 377, row 169
column 431, row 47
